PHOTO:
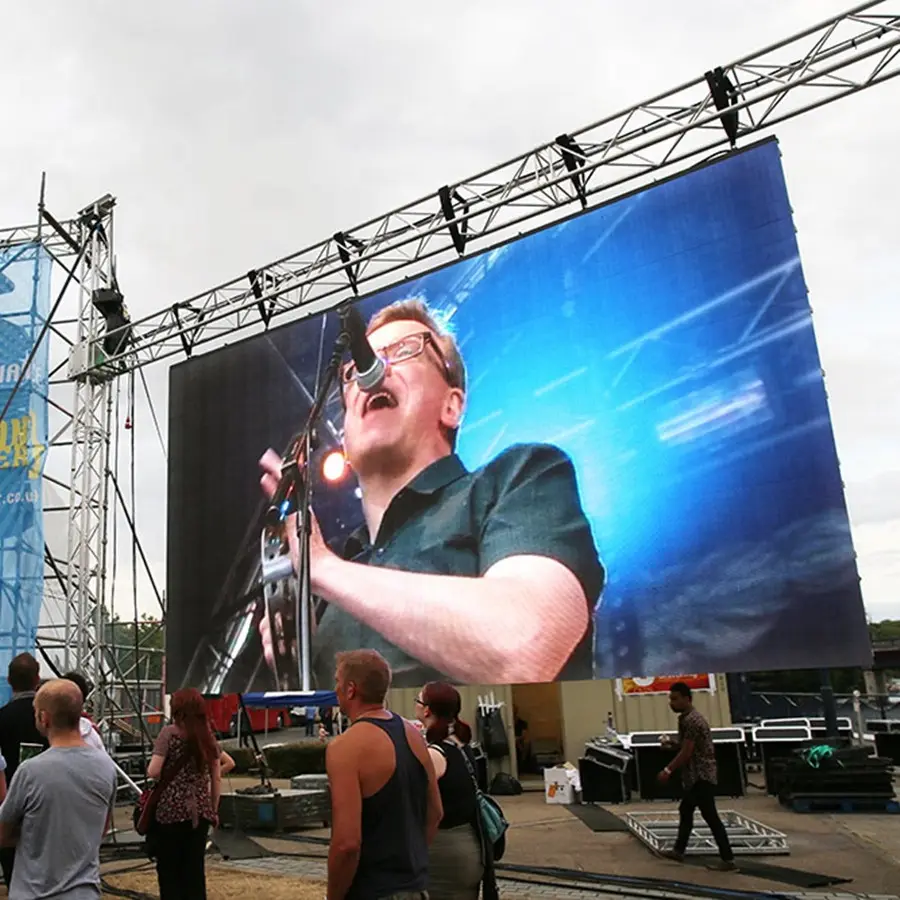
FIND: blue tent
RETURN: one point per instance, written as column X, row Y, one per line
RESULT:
column 281, row 699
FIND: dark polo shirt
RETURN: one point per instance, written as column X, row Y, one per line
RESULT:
column 449, row 521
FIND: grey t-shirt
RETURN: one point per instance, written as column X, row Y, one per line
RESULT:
column 61, row 800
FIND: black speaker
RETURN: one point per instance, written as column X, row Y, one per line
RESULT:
column 110, row 304
column 608, row 755
column 602, row 784
column 777, row 744
column 888, row 746
column 732, row 781
column 649, row 761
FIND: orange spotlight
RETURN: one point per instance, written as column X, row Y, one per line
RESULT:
column 334, row 466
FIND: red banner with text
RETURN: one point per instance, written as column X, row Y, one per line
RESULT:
column 662, row 684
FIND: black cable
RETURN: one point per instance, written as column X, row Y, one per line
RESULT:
column 162, row 443
column 134, row 590
column 124, row 892
column 115, row 553
column 115, row 523
column 134, row 534
column 45, row 327
column 587, row 878
column 643, row 883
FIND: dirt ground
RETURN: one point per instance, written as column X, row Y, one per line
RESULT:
column 863, row 848
column 223, row 883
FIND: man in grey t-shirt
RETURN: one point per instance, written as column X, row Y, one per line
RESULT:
column 59, row 805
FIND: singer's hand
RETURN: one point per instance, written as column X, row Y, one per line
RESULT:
column 319, row 553
column 270, row 463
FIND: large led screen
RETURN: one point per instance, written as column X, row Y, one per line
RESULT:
column 636, row 474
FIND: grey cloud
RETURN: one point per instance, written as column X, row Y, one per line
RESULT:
column 234, row 133
column 875, row 500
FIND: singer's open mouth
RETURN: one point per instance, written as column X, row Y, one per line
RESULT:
column 381, row 400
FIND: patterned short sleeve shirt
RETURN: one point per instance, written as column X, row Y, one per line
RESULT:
column 189, row 796
column 702, row 764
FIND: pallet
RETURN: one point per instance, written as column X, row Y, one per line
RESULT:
column 824, row 803
column 658, row 830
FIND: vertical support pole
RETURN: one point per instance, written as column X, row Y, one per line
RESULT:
column 91, row 421
column 828, row 703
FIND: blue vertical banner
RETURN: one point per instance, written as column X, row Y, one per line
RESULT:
column 24, row 306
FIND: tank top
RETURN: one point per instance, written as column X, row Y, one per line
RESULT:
column 394, row 853
column 456, row 786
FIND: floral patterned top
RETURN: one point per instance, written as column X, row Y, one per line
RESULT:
column 189, row 795
column 702, row 764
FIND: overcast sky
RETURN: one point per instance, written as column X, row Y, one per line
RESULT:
column 234, row 133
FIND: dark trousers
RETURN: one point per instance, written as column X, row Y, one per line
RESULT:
column 7, row 858
column 180, row 851
column 702, row 796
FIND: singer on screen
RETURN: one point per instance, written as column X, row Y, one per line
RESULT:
column 488, row 576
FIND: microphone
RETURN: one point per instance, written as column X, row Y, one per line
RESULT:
column 370, row 369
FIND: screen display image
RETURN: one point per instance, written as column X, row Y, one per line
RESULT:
column 607, row 453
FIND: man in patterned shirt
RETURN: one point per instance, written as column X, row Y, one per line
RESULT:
column 697, row 760
column 488, row 576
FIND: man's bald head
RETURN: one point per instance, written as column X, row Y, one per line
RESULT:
column 58, row 705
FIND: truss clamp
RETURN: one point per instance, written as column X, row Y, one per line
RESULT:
column 188, row 335
column 345, row 244
column 724, row 95
column 574, row 159
column 260, row 282
column 459, row 235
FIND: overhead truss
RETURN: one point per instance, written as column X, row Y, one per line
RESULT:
column 839, row 57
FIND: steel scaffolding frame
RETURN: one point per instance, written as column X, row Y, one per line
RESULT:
column 80, row 638
column 658, row 830
column 91, row 423
column 694, row 121
column 839, row 57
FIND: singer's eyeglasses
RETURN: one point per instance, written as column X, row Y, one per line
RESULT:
column 402, row 351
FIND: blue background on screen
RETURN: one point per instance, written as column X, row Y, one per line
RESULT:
column 665, row 342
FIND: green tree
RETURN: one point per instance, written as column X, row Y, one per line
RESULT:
column 886, row 630
column 120, row 638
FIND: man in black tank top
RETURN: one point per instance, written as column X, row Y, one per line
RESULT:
column 385, row 802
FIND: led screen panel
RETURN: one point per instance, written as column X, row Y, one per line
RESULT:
column 644, row 477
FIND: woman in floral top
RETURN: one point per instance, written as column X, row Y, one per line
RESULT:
column 189, row 804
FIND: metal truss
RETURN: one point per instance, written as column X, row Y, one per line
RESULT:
column 91, row 420
column 748, row 837
column 78, row 630
column 834, row 59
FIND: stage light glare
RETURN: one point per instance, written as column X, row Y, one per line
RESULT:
column 334, row 466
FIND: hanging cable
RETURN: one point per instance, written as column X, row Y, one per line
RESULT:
column 162, row 443
column 134, row 571
column 115, row 549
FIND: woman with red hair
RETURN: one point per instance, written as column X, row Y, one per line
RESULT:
column 185, row 753
column 455, row 859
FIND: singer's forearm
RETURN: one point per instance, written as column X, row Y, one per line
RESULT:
column 520, row 622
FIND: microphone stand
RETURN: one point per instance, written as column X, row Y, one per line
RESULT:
column 294, row 495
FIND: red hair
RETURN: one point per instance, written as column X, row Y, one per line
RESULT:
column 444, row 704
column 189, row 714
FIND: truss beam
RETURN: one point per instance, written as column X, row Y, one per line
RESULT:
column 90, row 427
column 839, row 57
